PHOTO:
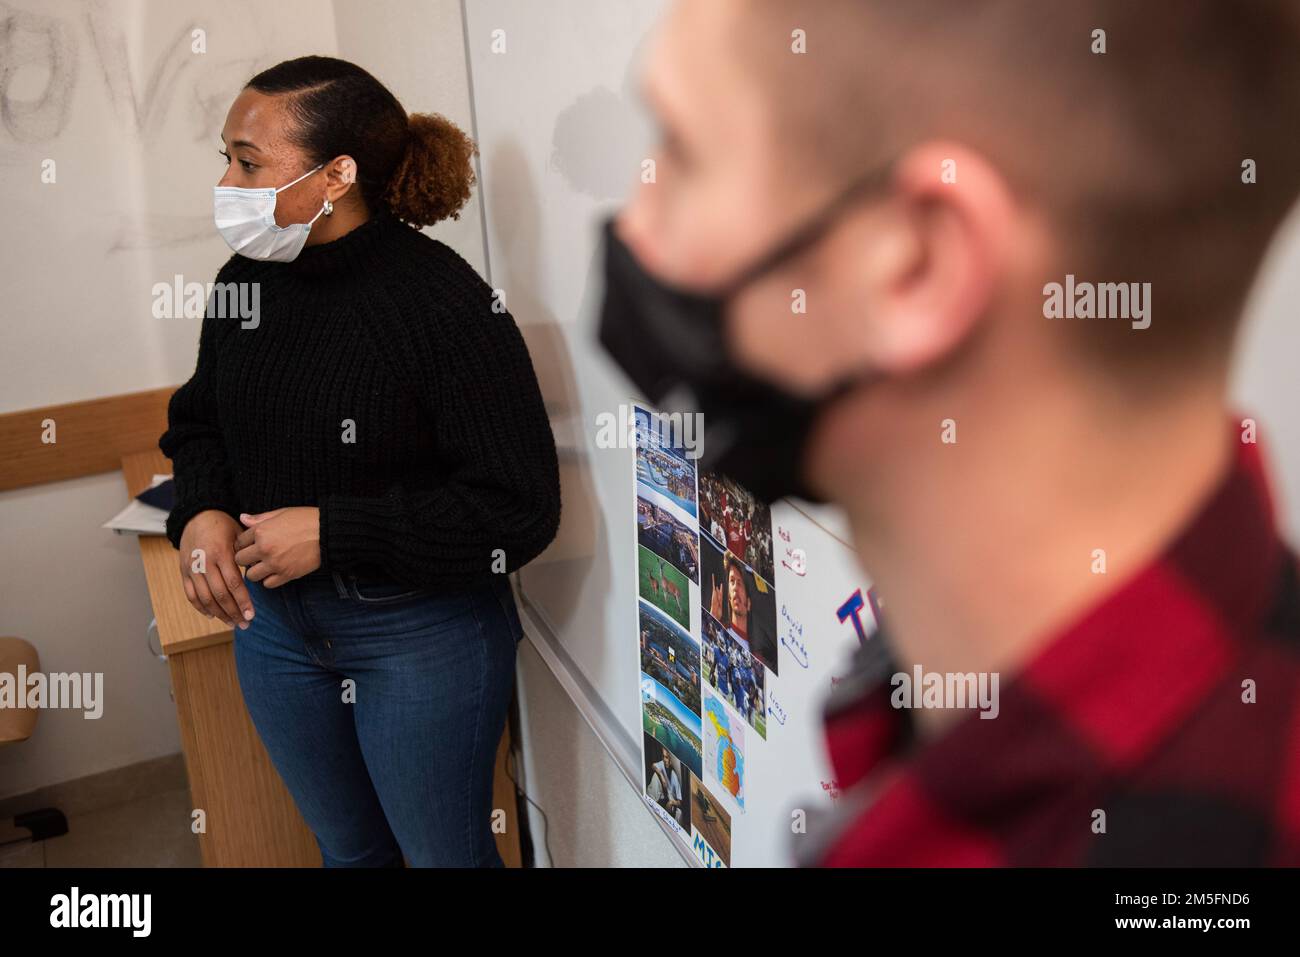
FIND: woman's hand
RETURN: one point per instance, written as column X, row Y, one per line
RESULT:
column 211, row 577
column 279, row 545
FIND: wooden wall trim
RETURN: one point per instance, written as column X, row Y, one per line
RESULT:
column 90, row 437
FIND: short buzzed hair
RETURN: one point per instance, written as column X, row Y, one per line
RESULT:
column 1138, row 154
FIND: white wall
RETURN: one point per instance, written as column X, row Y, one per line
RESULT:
column 132, row 117
column 114, row 95
column 561, row 139
column 417, row 49
column 1266, row 380
column 594, row 817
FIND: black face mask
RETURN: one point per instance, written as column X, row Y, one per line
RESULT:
column 670, row 343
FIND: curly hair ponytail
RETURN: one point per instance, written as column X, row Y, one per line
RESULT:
column 419, row 166
column 433, row 180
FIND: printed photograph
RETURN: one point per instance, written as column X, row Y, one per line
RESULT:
column 665, row 468
column 664, row 586
column 671, row 724
column 742, row 603
column 668, row 537
column 732, row 673
column 724, row 751
column 670, row 655
column 666, row 781
column 710, row 820
column 735, row 519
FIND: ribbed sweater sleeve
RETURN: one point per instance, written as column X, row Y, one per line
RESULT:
column 193, row 441
column 497, row 483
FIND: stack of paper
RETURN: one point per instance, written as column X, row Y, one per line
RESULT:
column 139, row 518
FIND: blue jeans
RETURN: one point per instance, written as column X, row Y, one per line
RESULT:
column 382, row 707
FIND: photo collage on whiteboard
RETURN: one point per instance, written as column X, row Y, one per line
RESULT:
column 703, row 543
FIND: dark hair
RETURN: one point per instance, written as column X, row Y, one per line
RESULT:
column 1137, row 153
column 729, row 562
column 417, row 166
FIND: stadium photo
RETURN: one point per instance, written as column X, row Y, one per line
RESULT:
column 738, row 522
column 660, row 531
column 664, row 469
column 733, row 673
column 671, row 656
column 667, row 475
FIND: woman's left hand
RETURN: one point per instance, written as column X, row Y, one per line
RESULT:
column 280, row 545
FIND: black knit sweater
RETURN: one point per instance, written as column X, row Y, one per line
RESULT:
column 381, row 385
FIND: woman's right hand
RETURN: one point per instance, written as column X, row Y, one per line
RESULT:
column 218, row 589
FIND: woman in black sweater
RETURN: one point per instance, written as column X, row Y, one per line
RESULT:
column 368, row 440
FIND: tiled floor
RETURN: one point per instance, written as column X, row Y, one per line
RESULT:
column 152, row 831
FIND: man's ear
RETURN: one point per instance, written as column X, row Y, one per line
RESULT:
column 939, row 277
column 899, row 283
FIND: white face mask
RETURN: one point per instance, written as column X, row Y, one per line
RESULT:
column 246, row 220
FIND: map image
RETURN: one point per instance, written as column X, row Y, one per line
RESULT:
column 724, row 750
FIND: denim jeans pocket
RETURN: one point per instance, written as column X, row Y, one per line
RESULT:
column 381, row 592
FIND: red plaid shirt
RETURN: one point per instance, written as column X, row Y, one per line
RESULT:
column 1136, row 711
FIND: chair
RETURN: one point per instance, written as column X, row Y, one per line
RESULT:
column 17, row 725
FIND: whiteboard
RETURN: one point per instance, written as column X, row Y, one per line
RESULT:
column 562, row 134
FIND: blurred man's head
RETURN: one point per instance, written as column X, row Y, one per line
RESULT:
column 1017, row 153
